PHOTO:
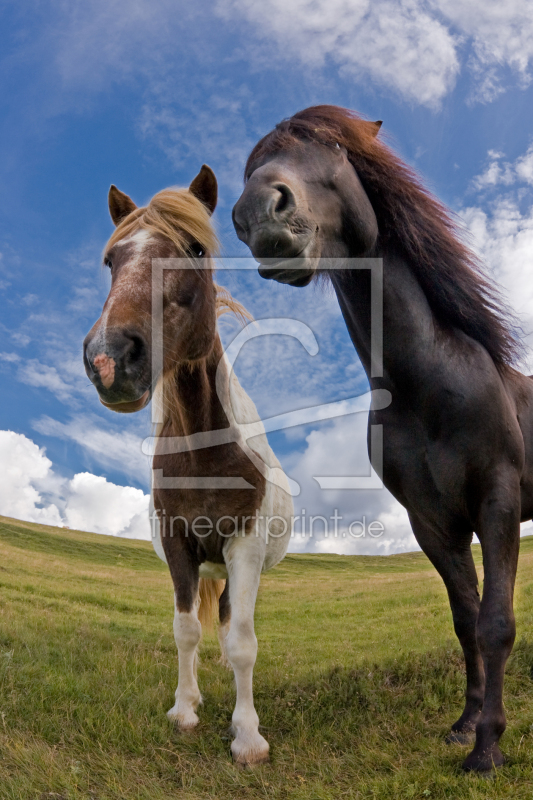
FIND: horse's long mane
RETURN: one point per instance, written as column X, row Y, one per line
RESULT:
column 178, row 215
column 412, row 221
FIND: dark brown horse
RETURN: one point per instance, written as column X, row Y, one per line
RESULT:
column 458, row 434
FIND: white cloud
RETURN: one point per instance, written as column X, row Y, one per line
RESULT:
column 119, row 449
column 9, row 358
column 499, row 172
column 339, row 448
column 495, row 173
column 524, row 166
column 42, row 376
column 94, row 504
column 24, row 467
column 396, row 44
column 501, row 34
column 59, row 370
column 31, row 490
column 410, row 46
column 502, row 234
column 21, row 339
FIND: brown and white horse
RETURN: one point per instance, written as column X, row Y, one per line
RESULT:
column 222, row 506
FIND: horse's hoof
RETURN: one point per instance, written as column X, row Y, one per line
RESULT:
column 251, row 764
column 484, row 761
column 184, row 721
column 250, row 754
column 461, row 737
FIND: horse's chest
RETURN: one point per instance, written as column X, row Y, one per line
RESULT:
column 208, row 497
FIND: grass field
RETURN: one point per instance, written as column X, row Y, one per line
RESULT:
column 358, row 680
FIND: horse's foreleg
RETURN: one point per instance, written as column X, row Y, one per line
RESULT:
column 499, row 533
column 187, row 634
column 454, row 563
column 244, row 560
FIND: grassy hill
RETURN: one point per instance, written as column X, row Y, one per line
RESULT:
column 358, row 679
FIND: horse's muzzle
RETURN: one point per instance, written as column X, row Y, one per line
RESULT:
column 118, row 364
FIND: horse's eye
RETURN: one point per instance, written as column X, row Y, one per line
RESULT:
column 197, row 250
column 107, row 263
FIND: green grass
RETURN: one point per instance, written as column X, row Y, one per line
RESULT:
column 358, row 679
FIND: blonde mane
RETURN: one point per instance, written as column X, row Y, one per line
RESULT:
column 226, row 304
column 172, row 213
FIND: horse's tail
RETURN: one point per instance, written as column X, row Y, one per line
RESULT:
column 209, row 590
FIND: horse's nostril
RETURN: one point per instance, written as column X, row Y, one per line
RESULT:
column 282, row 203
column 88, row 359
column 285, row 201
column 136, row 351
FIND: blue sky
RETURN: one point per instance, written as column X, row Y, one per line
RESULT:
column 140, row 94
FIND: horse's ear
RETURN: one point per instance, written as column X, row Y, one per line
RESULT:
column 375, row 126
column 120, row 205
column 205, row 188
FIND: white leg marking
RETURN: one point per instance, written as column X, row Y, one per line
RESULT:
column 244, row 558
column 187, row 633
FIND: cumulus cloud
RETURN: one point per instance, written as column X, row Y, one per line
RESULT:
column 503, row 235
column 399, row 45
column 95, row 504
column 501, row 228
column 499, row 172
column 24, row 467
column 31, row 490
column 412, row 47
column 339, row 449
column 501, row 35
column 524, row 166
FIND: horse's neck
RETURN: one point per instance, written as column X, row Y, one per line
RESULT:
column 199, row 407
column 408, row 322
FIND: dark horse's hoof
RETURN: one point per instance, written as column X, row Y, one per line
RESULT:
column 461, row 737
column 484, row 760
